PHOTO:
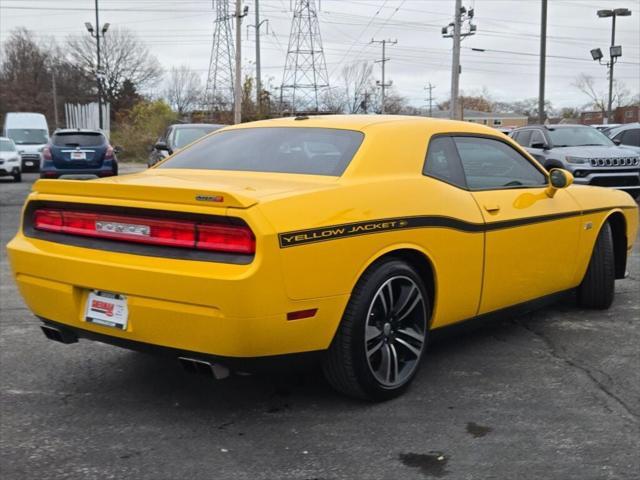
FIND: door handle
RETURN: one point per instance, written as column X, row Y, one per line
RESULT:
column 492, row 208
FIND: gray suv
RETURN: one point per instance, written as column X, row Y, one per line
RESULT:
column 589, row 155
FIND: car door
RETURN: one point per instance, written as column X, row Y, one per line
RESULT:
column 458, row 248
column 530, row 238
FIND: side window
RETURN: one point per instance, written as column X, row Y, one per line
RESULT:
column 491, row 164
column 442, row 162
column 523, row 138
column 631, row 137
column 536, row 137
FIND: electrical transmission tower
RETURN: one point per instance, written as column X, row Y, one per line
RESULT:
column 305, row 71
column 219, row 91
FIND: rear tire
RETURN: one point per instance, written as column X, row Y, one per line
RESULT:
column 382, row 337
column 597, row 289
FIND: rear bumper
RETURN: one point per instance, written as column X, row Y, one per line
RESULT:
column 247, row 364
column 76, row 172
column 214, row 309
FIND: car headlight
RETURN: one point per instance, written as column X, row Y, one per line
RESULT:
column 576, row 159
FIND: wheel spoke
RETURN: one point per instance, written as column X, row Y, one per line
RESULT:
column 374, row 348
column 411, row 333
column 372, row 333
column 389, row 290
column 404, row 303
column 394, row 361
column 386, row 363
column 408, row 346
column 385, row 307
column 412, row 305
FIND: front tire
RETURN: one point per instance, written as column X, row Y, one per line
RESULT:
column 598, row 286
column 377, row 349
column 17, row 177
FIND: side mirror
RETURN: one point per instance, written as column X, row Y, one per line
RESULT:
column 558, row 178
column 541, row 145
column 118, row 149
column 617, row 141
column 161, row 146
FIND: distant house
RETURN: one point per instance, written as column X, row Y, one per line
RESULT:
column 628, row 114
column 492, row 119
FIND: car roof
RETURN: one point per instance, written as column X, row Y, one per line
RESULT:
column 6, row 138
column 362, row 122
column 77, row 130
column 196, row 125
column 621, row 128
column 553, row 127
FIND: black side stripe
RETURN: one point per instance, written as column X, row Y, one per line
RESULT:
column 323, row 234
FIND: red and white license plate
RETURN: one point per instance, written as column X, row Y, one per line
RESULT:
column 78, row 156
column 108, row 309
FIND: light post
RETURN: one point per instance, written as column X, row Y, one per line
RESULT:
column 615, row 51
column 97, row 33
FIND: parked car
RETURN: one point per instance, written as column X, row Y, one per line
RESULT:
column 78, row 154
column 327, row 238
column 605, row 127
column 179, row 136
column 627, row 136
column 10, row 164
column 588, row 154
column 30, row 133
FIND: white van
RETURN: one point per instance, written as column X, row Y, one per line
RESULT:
column 30, row 133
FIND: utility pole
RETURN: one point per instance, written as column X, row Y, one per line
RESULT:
column 257, row 27
column 455, row 64
column 55, row 97
column 543, row 58
column 430, row 88
column 383, row 85
column 454, row 30
column 258, row 73
column 100, row 122
column 237, row 97
column 97, row 33
column 615, row 51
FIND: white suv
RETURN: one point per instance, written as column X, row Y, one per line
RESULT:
column 10, row 162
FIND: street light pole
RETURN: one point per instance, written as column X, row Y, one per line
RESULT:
column 237, row 93
column 100, row 122
column 611, row 62
column 543, row 58
column 614, row 51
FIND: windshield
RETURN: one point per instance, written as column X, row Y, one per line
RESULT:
column 6, row 146
column 184, row 136
column 312, row 151
column 578, row 136
column 88, row 139
column 28, row 136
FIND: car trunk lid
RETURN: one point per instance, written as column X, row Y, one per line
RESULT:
column 191, row 187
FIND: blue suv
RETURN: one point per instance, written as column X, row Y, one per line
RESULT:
column 78, row 154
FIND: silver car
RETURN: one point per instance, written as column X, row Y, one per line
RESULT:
column 627, row 136
column 10, row 161
column 588, row 154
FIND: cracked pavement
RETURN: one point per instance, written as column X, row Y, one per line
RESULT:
column 550, row 395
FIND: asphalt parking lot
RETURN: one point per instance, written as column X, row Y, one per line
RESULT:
column 550, row 395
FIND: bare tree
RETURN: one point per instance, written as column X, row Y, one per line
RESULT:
column 358, row 86
column 183, row 90
column 599, row 99
column 124, row 57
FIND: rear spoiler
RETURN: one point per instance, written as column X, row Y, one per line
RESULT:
column 148, row 193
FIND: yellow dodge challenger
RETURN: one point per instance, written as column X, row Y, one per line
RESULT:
column 348, row 238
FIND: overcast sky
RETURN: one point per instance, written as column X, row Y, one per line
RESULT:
column 179, row 32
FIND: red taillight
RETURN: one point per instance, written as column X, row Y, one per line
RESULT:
column 150, row 231
column 46, row 153
column 109, row 154
column 225, row 238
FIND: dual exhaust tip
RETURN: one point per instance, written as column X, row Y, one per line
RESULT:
column 191, row 365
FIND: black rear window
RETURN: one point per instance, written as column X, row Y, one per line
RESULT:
column 312, row 151
column 88, row 139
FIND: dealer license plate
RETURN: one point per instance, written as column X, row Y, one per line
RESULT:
column 108, row 309
column 78, row 156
